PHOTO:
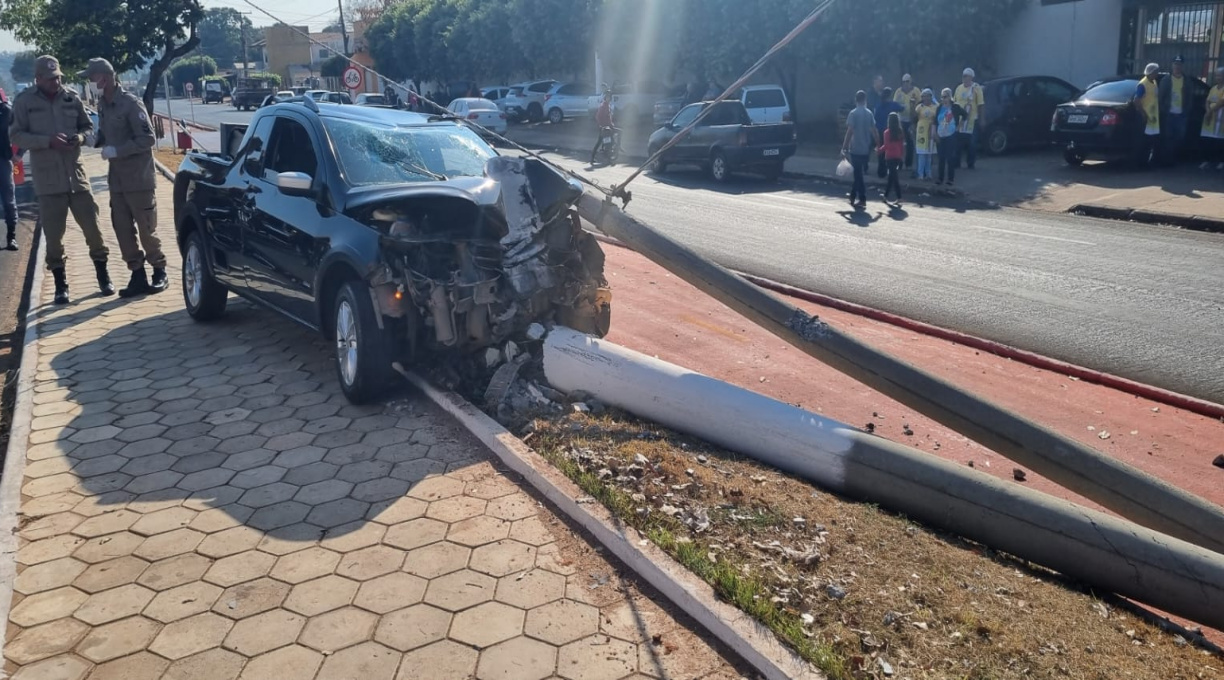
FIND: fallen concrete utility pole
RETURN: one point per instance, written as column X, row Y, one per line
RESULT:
column 1115, row 485
column 1095, row 548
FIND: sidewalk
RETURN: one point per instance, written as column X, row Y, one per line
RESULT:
column 200, row 502
column 1036, row 179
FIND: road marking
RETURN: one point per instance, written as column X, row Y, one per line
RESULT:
column 1025, row 233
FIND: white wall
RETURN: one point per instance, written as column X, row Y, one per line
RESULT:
column 1076, row 41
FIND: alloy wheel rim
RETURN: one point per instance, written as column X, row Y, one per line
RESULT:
column 346, row 342
column 192, row 276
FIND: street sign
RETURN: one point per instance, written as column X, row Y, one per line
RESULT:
column 190, row 87
column 352, row 78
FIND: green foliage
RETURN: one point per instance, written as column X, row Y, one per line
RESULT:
column 23, row 67
column 273, row 78
column 334, row 67
column 191, row 70
column 221, row 32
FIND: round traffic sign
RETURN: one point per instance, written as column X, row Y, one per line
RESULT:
column 190, row 87
column 352, row 78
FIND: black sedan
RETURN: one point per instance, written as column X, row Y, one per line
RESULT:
column 1018, row 111
column 394, row 234
column 1103, row 122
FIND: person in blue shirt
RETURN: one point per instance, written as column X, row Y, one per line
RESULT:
column 885, row 107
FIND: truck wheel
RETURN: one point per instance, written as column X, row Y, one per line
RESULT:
column 997, row 142
column 1074, row 158
column 204, row 297
column 362, row 360
column 719, row 170
column 556, row 116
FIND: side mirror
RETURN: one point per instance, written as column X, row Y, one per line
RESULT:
column 294, row 183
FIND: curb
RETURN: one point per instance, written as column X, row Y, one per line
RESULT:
column 1169, row 397
column 19, row 440
column 163, row 170
column 1193, row 222
column 752, row 641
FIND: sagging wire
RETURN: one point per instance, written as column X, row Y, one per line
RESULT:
column 446, row 115
column 619, row 190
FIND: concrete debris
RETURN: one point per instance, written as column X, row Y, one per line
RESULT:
column 536, row 332
column 835, row 591
column 885, row 667
column 580, row 407
column 808, row 556
column 690, row 472
column 1019, row 475
column 703, row 460
column 1101, row 609
column 1104, row 434
column 492, row 357
column 807, row 619
column 1219, row 461
column 641, row 460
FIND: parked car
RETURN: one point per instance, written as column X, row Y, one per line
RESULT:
column 766, row 103
column 214, row 92
column 277, row 98
column 1018, row 111
column 385, row 231
column 497, row 95
column 368, row 99
column 336, row 98
column 632, row 102
column 317, row 95
column 566, row 100
column 665, row 109
column 480, row 111
column 1103, row 123
column 526, row 100
column 726, row 141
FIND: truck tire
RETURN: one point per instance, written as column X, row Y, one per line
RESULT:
column 363, row 360
column 204, row 298
column 719, row 170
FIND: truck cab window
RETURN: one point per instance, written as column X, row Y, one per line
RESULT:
column 291, row 149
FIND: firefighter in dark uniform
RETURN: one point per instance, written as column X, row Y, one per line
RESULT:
column 127, row 140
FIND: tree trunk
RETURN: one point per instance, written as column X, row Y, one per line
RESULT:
column 158, row 68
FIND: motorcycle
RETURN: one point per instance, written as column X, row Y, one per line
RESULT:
column 609, row 145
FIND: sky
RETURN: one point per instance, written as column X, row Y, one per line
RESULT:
column 313, row 13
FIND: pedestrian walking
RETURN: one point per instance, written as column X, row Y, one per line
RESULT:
column 875, row 96
column 886, row 108
column 971, row 97
column 892, row 151
column 861, row 138
column 924, row 133
column 949, row 120
column 127, row 143
column 8, row 190
column 909, row 97
column 1174, row 111
column 52, row 123
column 1147, row 102
column 1213, row 124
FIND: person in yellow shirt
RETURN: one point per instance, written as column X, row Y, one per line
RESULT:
column 924, row 133
column 908, row 97
column 972, row 98
column 1174, row 110
column 1213, row 124
column 1147, row 103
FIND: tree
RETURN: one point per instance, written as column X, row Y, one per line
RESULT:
column 334, row 67
column 554, row 36
column 191, row 70
column 23, row 67
column 221, row 32
column 335, row 27
column 129, row 33
column 477, row 44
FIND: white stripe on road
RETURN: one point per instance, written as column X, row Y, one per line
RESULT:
column 1025, row 233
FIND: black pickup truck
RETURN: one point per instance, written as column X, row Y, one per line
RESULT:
column 724, row 141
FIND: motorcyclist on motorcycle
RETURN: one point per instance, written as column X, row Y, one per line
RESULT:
column 604, row 121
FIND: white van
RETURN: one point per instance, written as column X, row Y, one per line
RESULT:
column 766, row 103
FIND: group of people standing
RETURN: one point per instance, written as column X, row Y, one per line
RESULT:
column 909, row 128
column 1164, row 105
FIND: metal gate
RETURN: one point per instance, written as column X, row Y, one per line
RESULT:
column 1192, row 30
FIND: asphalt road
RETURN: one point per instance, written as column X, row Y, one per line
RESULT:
column 1139, row 301
column 211, row 115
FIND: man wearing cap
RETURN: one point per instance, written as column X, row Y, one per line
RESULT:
column 1147, row 103
column 973, row 100
column 1174, row 104
column 127, row 142
column 909, row 97
column 52, row 123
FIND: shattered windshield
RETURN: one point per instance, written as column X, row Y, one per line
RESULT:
column 377, row 154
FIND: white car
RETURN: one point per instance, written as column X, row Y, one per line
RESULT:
column 497, row 95
column 567, row 100
column 480, row 111
column 368, row 99
column 526, row 100
column 317, row 95
column 766, row 103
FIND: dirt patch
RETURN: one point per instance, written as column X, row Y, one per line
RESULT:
column 861, row 592
column 168, row 157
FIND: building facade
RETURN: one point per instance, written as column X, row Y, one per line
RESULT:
column 287, row 52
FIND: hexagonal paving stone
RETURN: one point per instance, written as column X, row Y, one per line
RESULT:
column 142, row 666
column 417, row 470
column 532, row 589
column 514, row 507
column 437, row 559
column 478, row 531
column 532, row 531
column 290, row 539
column 369, row 563
column 321, row 595
column 517, row 659
column 109, row 547
column 118, row 639
column 63, row 667
column 337, row 513
column 487, row 624
column 269, row 494
column 48, row 549
column 436, row 489
column 110, row 574
column 54, row 525
column 179, row 603
column 416, row 533
column 381, row 489
column 265, row 632
column 191, row 636
column 338, row 629
column 48, row 639
column 230, row 542
column 636, row 621
column 459, row 590
column 249, row 599
column 456, row 509
column 154, row 482
column 287, row 662
column 214, row 664
column 598, row 657
column 114, row 604
column 279, row 515
column 222, row 518
column 503, row 557
column 397, row 510
column 163, row 520
column 174, row 571
column 240, row 568
column 413, row 627
column 108, row 523
column 169, row 544
column 49, row 606
column 550, row 557
column 258, row 477
column 206, row 479
column 367, row 660
column 388, row 593
column 323, row 492
column 305, row 565
column 561, row 622
column 492, row 488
